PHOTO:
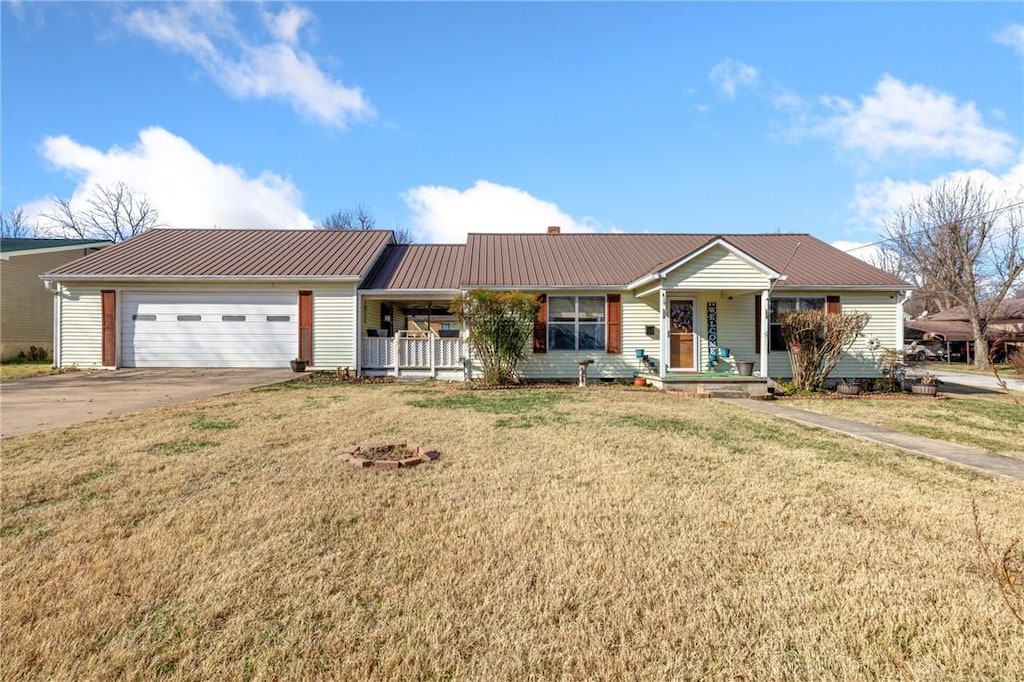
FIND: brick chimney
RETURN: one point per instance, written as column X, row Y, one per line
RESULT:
column 554, row 229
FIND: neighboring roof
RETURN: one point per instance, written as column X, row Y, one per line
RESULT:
column 596, row 260
column 173, row 253
column 418, row 266
column 957, row 330
column 1008, row 309
column 954, row 324
column 24, row 245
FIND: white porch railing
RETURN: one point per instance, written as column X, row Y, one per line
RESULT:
column 412, row 351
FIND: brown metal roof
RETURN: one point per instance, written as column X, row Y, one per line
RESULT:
column 418, row 266
column 958, row 330
column 596, row 260
column 234, row 253
column 1008, row 309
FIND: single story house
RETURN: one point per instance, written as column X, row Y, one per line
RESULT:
column 26, row 309
column 665, row 304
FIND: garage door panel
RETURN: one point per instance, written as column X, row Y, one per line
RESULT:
column 203, row 330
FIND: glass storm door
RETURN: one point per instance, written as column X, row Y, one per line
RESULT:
column 680, row 335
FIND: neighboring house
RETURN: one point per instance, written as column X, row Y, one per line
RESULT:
column 26, row 307
column 204, row 298
column 1005, row 326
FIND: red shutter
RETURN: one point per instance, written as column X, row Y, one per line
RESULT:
column 109, row 303
column 614, row 324
column 757, row 323
column 306, row 326
column 540, row 326
column 832, row 306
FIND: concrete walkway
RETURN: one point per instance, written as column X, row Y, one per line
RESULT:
column 961, row 455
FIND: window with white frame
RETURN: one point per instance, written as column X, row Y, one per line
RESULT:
column 781, row 306
column 576, row 322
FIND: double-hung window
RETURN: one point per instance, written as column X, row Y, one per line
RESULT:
column 576, row 322
column 781, row 306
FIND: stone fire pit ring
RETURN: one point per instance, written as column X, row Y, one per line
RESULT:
column 390, row 455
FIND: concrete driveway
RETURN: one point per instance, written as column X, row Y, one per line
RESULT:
column 50, row 402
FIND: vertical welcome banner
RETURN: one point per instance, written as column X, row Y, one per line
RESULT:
column 712, row 328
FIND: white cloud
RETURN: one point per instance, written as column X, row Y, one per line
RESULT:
column 866, row 251
column 1013, row 37
column 876, row 202
column 285, row 25
column 187, row 188
column 207, row 32
column 914, row 120
column 447, row 215
column 731, row 74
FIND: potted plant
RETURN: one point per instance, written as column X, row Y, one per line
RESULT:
column 639, row 380
column 928, row 385
column 298, row 365
column 846, row 388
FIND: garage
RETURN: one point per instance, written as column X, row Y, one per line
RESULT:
column 208, row 329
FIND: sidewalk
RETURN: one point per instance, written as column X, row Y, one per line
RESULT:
column 961, row 455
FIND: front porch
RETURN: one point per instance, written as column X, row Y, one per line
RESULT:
column 414, row 355
column 411, row 337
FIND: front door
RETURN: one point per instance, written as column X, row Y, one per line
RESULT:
column 680, row 335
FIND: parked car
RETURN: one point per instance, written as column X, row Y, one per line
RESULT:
column 933, row 349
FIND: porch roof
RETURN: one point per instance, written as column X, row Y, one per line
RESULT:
column 418, row 267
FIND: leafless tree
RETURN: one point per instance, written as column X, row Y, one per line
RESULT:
column 964, row 246
column 14, row 223
column 359, row 218
column 110, row 212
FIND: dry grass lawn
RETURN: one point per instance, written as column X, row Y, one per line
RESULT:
column 607, row 534
column 10, row 371
column 991, row 421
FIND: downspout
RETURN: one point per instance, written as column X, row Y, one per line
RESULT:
column 765, row 331
column 359, row 326
column 57, row 311
column 662, row 362
column 901, row 298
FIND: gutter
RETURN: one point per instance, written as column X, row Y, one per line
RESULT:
column 57, row 277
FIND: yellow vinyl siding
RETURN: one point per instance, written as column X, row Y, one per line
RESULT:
column 717, row 268
column 858, row 362
column 334, row 318
column 562, row 364
column 81, row 328
column 371, row 315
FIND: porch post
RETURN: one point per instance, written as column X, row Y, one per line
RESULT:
column 397, row 349
column 359, row 335
column 765, row 331
column 901, row 298
column 431, row 348
column 662, row 362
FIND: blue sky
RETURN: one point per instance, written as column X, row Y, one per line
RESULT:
column 456, row 117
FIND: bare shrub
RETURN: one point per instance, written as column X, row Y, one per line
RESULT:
column 817, row 340
column 500, row 324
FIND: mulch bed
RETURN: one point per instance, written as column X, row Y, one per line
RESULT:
column 862, row 396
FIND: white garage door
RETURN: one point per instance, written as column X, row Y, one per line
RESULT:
column 209, row 330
